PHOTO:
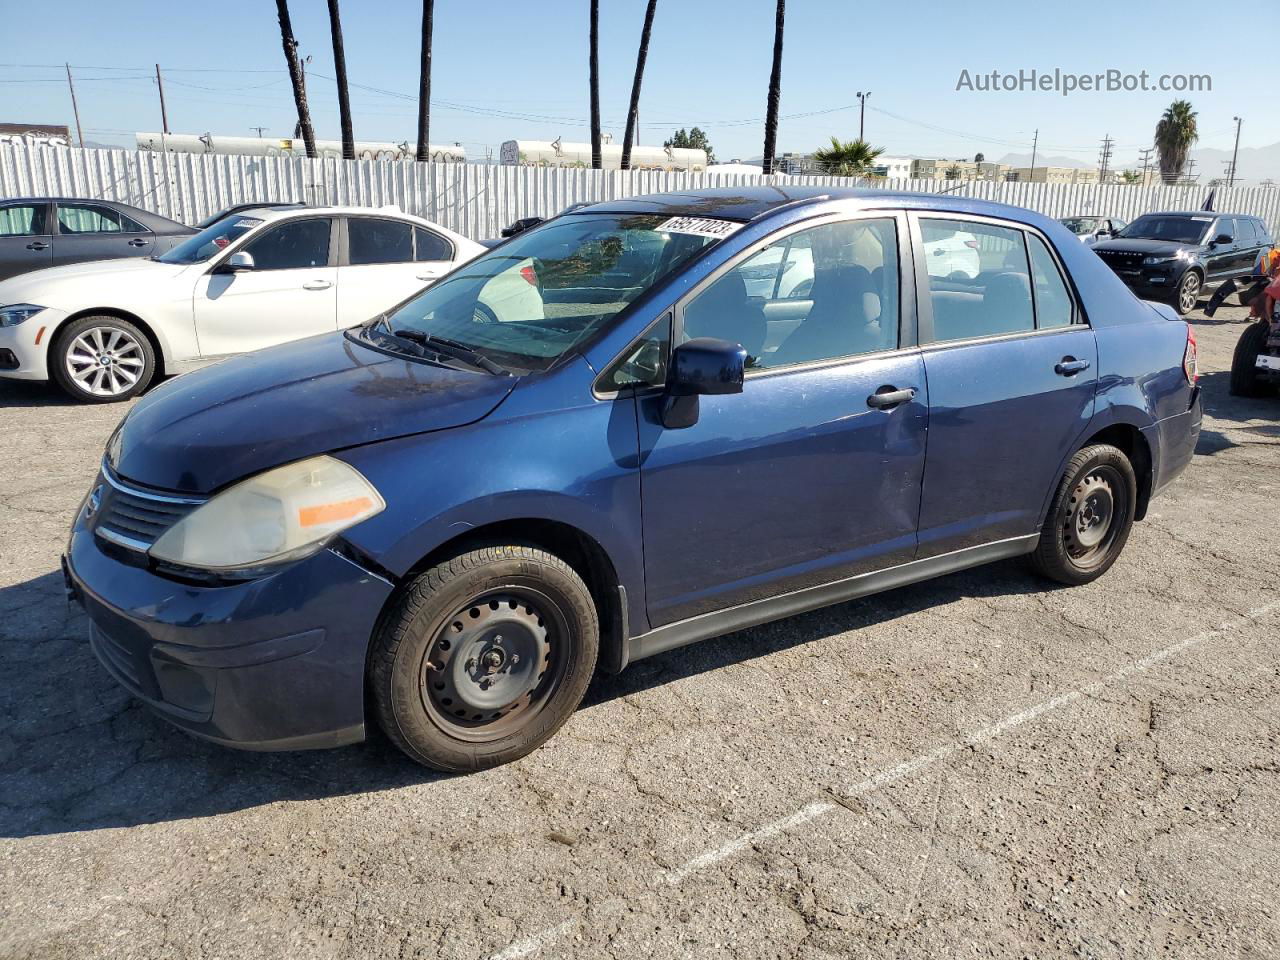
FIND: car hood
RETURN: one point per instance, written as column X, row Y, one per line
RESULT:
column 1150, row 248
column 206, row 429
column 45, row 287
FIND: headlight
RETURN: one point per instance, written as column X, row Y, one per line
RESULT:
column 280, row 515
column 16, row 313
column 1165, row 258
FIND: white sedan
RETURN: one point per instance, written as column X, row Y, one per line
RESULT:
column 104, row 330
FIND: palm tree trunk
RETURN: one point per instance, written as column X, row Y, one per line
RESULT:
column 424, row 83
column 597, row 154
column 629, row 138
column 295, row 76
column 340, row 70
column 775, row 91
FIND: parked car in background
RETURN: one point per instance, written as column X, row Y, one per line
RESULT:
column 1091, row 229
column 1174, row 257
column 103, row 331
column 39, row 232
column 242, row 207
column 446, row 523
column 952, row 254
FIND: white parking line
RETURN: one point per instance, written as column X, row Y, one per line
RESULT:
column 820, row 808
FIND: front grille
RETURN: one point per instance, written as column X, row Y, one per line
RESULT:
column 135, row 518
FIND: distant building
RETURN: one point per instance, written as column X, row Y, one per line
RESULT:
column 35, row 130
column 893, row 168
column 928, row 168
column 1047, row 174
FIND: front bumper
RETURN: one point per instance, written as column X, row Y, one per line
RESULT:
column 276, row 663
column 24, row 349
column 1152, row 283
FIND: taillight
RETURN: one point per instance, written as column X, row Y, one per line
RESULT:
column 1190, row 358
column 972, row 244
column 529, row 274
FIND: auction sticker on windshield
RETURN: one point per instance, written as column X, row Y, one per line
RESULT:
column 699, row 227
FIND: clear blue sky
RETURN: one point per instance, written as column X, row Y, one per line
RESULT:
column 708, row 66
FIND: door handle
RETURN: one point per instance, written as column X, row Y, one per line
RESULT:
column 317, row 285
column 429, row 276
column 887, row 397
column 138, row 242
column 37, row 245
column 1070, row 366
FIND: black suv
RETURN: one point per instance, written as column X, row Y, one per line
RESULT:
column 1172, row 257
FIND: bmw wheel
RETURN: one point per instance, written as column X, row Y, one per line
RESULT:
column 102, row 359
column 484, row 657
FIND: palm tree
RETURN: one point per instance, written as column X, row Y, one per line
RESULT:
column 1175, row 133
column 952, row 172
column 340, row 70
column 775, row 90
column 295, row 76
column 424, row 83
column 597, row 157
column 850, row 158
column 632, row 113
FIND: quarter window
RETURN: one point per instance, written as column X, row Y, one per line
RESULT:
column 77, row 218
column 431, row 246
column 645, row 364
column 22, row 220
column 979, row 282
column 295, row 245
column 1053, row 303
column 379, row 241
column 826, row 292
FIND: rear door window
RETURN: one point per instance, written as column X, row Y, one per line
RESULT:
column 979, row 279
column 371, row 241
column 80, row 218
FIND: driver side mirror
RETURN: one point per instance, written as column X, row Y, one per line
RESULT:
column 1222, row 238
column 236, row 263
column 701, row 366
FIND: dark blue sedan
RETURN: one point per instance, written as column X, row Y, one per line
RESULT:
column 643, row 423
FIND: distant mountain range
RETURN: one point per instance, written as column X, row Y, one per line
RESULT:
column 1255, row 163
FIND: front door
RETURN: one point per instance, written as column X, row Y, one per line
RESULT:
column 291, row 292
column 807, row 476
column 94, row 231
column 1012, row 370
column 25, row 242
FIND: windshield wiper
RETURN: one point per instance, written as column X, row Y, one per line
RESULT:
column 451, row 348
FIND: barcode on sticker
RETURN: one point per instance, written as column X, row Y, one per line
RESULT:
column 700, row 227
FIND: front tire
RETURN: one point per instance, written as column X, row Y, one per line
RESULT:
column 1188, row 294
column 484, row 657
column 1090, row 518
column 1245, row 381
column 102, row 360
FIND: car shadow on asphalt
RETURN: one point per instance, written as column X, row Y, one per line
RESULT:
column 82, row 754
column 32, row 393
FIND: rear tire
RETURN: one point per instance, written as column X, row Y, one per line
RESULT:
column 1090, row 517
column 1245, row 381
column 102, row 359
column 484, row 657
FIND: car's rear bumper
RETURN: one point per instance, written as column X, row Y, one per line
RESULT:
column 276, row 663
column 1174, row 440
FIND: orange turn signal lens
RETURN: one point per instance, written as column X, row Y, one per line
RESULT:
column 333, row 512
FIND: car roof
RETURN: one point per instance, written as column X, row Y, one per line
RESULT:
column 747, row 203
column 1197, row 213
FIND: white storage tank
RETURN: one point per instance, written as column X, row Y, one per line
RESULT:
column 557, row 153
column 289, row 147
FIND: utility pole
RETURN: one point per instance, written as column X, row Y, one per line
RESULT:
column 1231, row 177
column 259, row 129
column 75, row 109
column 1191, row 166
column 1146, row 162
column 1035, row 141
column 164, row 115
column 862, row 115
column 1104, row 158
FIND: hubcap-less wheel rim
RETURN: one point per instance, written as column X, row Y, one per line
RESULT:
column 1189, row 294
column 105, row 361
column 1093, row 516
column 493, row 665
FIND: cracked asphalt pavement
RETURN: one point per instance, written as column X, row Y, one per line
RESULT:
column 983, row 765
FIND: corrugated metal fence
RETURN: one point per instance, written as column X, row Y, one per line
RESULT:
column 477, row 200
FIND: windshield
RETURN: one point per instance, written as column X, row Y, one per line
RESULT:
column 206, row 243
column 1080, row 226
column 534, row 298
column 1160, row 227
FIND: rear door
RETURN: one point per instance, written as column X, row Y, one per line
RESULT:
column 290, row 293
column 385, row 261
column 95, row 231
column 1012, row 373
column 25, row 242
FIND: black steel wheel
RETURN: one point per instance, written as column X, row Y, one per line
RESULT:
column 483, row 657
column 1090, row 518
